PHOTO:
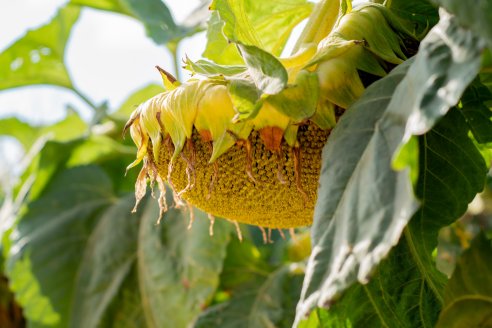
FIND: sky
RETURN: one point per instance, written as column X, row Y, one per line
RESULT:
column 101, row 45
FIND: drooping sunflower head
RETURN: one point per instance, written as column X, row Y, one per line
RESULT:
column 260, row 166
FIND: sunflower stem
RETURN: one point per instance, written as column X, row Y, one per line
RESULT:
column 319, row 24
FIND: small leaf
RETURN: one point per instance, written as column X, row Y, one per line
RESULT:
column 38, row 57
column 468, row 295
column 298, row 101
column 218, row 48
column 266, row 71
column 245, row 98
column 210, row 69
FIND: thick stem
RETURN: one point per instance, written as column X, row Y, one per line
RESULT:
column 320, row 23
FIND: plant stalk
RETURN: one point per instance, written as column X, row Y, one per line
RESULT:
column 84, row 98
column 173, row 48
column 319, row 24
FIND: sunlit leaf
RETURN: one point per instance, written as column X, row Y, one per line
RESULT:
column 251, row 23
column 359, row 191
column 266, row 71
column 38, row 57
column 118, row 6
column 299, row 100
column 208, row 68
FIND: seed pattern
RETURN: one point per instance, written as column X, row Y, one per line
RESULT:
column 224, row 188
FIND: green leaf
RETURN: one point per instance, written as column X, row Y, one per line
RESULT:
column 477, row 114
column 126, row 309
column 476, row 16
column 347, row 241
column 266, row 302
column 210, row 69
column 268, row 74
column 69, row 128
column 178, row 268
column 345, row 233
column 300, row 100
column 157, row 19
column 406, row 288
column 397, row 296
column 251, row 23
column 37, row 57
column 218, row 48
column 421, row 15
column 42, row 265
column 118, row 6
column 70, row 260
column 468, row 295
column 245, row 97
column 23, row 132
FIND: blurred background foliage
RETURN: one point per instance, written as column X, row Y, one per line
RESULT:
column 74, row 255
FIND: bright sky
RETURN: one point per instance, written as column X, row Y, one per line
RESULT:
column 102, row 45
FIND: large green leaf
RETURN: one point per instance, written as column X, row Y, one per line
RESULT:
column 396, row 297
column 406, row 288
column 37, row 58
column 251, row 23
column 48, row 243
column 265, row 303
column 477, row 16
column 154, row 15
column 178, row 268
column 468, row 295
column 363, row 204
column 421, row 15
column 76, row 245
column 256, row 295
